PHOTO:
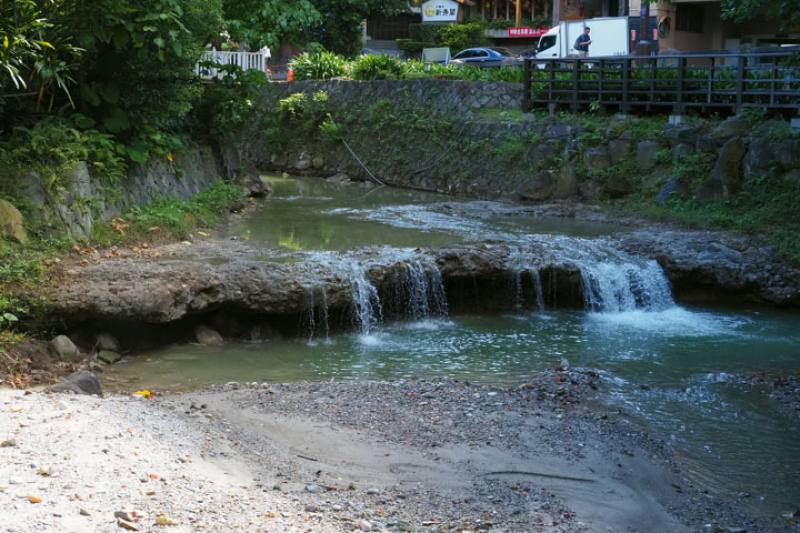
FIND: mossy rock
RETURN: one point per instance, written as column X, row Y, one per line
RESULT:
column 11, row 223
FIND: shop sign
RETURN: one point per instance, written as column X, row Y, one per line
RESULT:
column 440, row 11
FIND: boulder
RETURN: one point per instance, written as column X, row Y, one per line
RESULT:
column 674, row 187
column 253, row 185
column 710, row 190
column 596, row 158
column 557, row 131
column 64, row 349
column 567, row 182
column 760, row 160
column 590, row 191
column 619, row 185
column 682, row 150
column 705, row 144
column 106, row 341
column 80, row 382
column 728, row 168
column 318, row 162
column 681, row 134
column 539, row 187
column 646, row 154
column 109, row 357
column 731, row 127
column 341, row 177
column 208, row 336
column 11, row 223
column 303, row 162
column 619, row 150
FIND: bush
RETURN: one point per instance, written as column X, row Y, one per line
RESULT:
column 376, row 67
column 318, row 65
column 304, row 113
column 460, row 36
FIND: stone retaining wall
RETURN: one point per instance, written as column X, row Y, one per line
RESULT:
column 85, row 199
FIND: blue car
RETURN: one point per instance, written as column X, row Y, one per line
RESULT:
column 486, row 57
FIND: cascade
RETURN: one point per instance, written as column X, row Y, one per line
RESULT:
column 316, row 318
column 625, row 286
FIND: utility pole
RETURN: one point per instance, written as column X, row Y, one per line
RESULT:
column 518, row 14
column 643, row 46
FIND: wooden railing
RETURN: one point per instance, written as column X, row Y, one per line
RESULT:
column 206, row 68
column 712, row 83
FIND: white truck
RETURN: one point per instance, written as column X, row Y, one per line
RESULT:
column 610, row 37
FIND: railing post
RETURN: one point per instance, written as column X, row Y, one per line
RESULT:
column 653, row 77
column 551, row 80
column 576, row 77
column 602, row 68
column 526, row 86
column 626, row 82
column 740, row 66
column 678, row 108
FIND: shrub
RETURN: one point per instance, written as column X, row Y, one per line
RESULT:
column 460, row 36
column 318, row 65
column 376, row 67
column 303, row 112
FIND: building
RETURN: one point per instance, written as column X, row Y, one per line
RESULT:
column 694, row 25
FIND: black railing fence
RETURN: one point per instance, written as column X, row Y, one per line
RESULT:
column 721, row 83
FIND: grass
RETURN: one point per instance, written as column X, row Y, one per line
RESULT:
column 766, row 211
column 170, row 218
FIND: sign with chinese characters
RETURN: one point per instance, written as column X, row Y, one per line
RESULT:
column 440, row 11
column 526, row 32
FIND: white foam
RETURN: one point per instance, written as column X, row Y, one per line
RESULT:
column 675, row 321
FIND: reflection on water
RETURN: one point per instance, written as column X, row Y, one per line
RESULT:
column 312, row 214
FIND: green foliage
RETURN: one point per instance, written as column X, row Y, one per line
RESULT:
column 318, row 65
column 229, row 103
column 460, row 36
column 52, row 148
column 785, row 12
column 511, row 149
column 331, row 130
column 376, row 67
column 171, row 217
column 693, row 167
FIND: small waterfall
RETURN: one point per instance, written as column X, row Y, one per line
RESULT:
column 536, row 281
column 367, row 310
column 625, row 286
column 316, row 318
column 416, row 291
column 611, row 280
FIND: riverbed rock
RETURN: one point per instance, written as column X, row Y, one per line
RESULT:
column 109, row 357
column 207, row 336
column 80, row 382
column 567, row 182
column 596, row 158
column 303, row 162
column 253, row 185
column 106, row 341
column 735, row 126
column 64, row 349
column 12, row 226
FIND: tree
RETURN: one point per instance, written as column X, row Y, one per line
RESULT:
column 334, row 23
column 786, row 12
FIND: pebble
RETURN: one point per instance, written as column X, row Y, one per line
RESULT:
column 312, row 508
column 373, row 490
column 313, row 488
column 363, row 525
column 10, row 443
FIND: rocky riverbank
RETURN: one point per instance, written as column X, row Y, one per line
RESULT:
column 341, row 456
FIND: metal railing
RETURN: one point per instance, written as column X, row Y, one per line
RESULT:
column 718, row 83
column 245, row 60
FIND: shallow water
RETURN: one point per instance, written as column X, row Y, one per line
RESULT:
column 670, row 364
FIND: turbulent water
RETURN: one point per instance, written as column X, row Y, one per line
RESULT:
column 671, row 364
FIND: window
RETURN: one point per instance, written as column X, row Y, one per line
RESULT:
column 546, row 42
column 689, row 17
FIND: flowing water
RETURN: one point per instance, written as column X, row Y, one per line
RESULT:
column 674, row 366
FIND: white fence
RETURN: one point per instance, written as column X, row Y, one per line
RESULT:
column 244, row 60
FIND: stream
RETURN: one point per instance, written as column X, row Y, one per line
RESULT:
column 673, row 366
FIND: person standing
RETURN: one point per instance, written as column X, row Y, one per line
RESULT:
column 582, row 43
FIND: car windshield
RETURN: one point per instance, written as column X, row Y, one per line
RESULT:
column 504, row 52
column 546, row 42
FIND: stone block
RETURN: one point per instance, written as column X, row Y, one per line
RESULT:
column 619, row 150
column 646, row 154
